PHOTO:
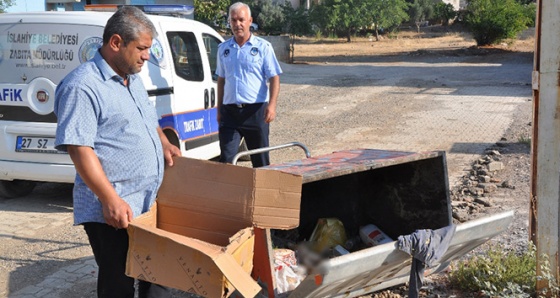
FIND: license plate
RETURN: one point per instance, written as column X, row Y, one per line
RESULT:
column 36, row 144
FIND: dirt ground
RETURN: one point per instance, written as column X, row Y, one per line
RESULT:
column 440, row 40
column 514, row 146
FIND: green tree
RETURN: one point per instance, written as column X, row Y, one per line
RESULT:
column 386, row 14
column 421, row 11
column 344, row 16
column 350, row 16
column 271, row 17
column 318, row 15
column 4, row 4
column 530, row 12
column 444, row 12
column 296, row 24
column 211, row 12
column 492, row 21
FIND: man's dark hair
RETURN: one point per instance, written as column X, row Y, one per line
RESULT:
column 128, row 22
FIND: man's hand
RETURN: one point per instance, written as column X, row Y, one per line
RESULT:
column 169, row 150
column 270, row 113
column 117, row 213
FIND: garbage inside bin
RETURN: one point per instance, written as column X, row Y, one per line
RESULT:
column 399, row 193
column 328, row 233
column 372, row 235
column 287, row 273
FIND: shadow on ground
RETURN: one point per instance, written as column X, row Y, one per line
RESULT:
column 45, row 198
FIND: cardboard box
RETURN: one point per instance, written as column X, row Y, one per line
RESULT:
column 199, row 235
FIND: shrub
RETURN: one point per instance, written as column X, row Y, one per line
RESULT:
column 530, row 11
column 296, row 24
column 496, row 272
column 444, row 12
column 504, row 274
column 492, row 21
column 271, row 17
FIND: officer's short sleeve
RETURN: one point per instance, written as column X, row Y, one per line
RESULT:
column 271, row 66
column 220, row 70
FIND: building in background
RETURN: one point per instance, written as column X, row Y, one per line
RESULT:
column 42, row 5
column 63, row 5
column 80, row 4
column 27, row 5
column 457, row 4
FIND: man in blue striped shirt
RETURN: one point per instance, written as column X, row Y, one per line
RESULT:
column 111, row 132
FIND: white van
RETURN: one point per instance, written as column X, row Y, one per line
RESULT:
column 38, row 49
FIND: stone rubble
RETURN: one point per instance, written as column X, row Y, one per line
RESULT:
column 475, row 188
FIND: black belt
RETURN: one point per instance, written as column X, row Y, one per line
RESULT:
column 239, row 105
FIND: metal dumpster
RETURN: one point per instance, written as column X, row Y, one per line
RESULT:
column 399, row 192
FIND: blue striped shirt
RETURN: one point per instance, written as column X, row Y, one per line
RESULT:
column 95, row 109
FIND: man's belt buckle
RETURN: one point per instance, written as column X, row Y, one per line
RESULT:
column 240, row 105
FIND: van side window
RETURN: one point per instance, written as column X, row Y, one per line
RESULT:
column 186, row 56
column 211, row 44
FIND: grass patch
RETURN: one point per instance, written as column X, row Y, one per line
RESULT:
column 318, row 35
column 524, row 140
column 503, row 273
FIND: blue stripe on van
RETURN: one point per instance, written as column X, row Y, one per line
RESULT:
column 193, row 124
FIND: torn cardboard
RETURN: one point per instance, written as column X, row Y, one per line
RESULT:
column 199, row 236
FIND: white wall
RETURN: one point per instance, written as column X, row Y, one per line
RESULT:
column 457, row 4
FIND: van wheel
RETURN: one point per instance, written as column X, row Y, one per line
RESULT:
column 172, row 137
column 243, row 147
column 16, row 188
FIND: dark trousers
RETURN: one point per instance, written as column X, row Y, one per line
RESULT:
column 248, row 122
column 109, row 249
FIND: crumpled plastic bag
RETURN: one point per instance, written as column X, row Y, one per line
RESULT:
column 328, row 233
column 287, row 273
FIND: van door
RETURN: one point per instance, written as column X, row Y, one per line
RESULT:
column 193, row 106
column 36, row 52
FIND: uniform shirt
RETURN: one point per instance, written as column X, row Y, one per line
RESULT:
column 246, row 70
column 95, row 109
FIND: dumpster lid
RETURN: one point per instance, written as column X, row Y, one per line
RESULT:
column 346, row 162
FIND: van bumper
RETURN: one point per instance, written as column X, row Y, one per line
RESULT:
column 44, row 172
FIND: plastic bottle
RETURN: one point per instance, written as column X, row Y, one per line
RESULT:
column 372, row 235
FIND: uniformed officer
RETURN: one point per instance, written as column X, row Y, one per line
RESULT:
column 246, row 105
